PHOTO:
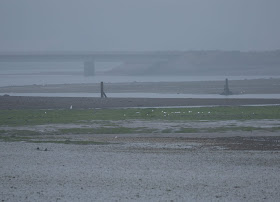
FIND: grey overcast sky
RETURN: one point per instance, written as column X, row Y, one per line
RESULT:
column 139, row 25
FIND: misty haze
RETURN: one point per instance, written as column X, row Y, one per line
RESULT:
column 151, row 100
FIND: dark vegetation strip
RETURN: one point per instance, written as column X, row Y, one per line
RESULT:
column 25, row 102
column 37, row 117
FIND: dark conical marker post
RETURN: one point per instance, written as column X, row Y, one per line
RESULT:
column 102, row 91
column 226, row 89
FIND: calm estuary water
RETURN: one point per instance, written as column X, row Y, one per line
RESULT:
column 26, row 79
column 20, row 78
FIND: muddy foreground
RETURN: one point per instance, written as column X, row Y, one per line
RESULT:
column 231, row 166
column 135, row 168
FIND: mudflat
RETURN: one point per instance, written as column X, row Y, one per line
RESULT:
column 238, row 163
column 143, row 169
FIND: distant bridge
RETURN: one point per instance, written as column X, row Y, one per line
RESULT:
column 89, row 58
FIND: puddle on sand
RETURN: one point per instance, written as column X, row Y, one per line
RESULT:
column 153, row 145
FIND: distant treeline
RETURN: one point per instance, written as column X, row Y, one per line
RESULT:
column 209, row 63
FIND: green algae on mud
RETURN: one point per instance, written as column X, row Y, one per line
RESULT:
column 103, row 130
column 58, row 136
column 40, row 117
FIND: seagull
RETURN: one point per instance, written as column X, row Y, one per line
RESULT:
column 71, row 107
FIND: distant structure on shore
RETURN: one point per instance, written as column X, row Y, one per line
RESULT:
column 226, row 89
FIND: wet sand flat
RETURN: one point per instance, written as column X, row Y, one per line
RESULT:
column 137, row 171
